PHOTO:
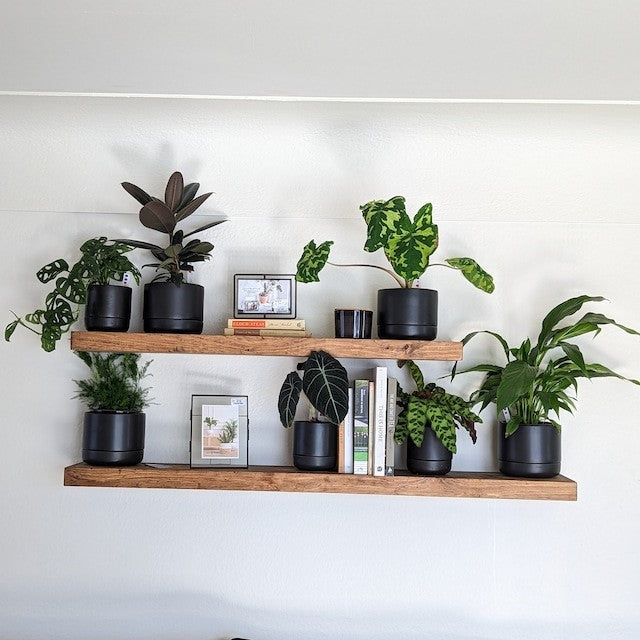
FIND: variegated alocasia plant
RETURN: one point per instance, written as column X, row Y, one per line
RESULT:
column 407, row 244
column 430, row 405
column 532, row 383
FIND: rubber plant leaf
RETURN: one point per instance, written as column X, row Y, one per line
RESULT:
column 384, row 218
column 516, row 380
column 139, row 244
column 173, row 192
column 560, row 312
column 204, row 228
column 288, row 398
column 473, row 272
column 52, row 270
column 325, row 384
column 157, row 216
column 442, row 425
column 192, row 206
column 416, row 419
column 312, row 261
column 188, row 194
column 139, row 194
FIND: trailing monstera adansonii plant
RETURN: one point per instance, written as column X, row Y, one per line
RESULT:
column 431, row 405
column 324, row 382
column 407, row 244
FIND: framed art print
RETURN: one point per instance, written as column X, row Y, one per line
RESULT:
column 219, row 431
column 264, row 296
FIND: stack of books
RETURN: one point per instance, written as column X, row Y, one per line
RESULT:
column 285, row 328
column 365, row 438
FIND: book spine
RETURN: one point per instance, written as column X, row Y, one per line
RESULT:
column 372, row 410
column 360, row 426
column 392, row 396
column 274, row 333
column 348, row 436
column 295, row 323
column 380, row 422
column 341, row 442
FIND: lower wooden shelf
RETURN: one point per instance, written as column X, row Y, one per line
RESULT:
column 289, row 479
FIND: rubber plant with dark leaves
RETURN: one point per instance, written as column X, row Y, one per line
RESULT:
column 102, row 261
column 324, row 382
column 407, row 244
column 180, row 201
column 432, row 405
column 537, row 380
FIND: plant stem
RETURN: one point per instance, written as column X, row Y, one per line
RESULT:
column 402, row 283
column 441, row 264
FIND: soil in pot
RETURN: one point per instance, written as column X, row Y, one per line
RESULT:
column 533, row 451
column 408, row 314
column 113, row 438
column 171, row 308
column 432, row 458
column 315, row 446
column 108, row 308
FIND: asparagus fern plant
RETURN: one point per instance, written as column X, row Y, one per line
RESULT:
column 407, row 244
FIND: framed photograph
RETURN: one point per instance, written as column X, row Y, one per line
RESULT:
column 264, row 296
column 219, row 431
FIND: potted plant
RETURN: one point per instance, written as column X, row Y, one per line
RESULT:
column 228, row 434
column 403, row 312
column 428, row 421
column 170, row 303
column 535, row 381
column 113, row 430
column 88, row 281
column 324, row 382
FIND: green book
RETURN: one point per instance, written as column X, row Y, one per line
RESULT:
column 360, row 426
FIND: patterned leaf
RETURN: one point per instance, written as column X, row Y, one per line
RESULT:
column 409, row 250
column 473, row 272
column 325, row 383
column 384, row 218
column 415, row 372
column 416, row 419
column 312, row 261
column 442, row 424
column 52, row 270
column 9, row 329
column 402, row 430
column 157, row 216
column 288, row 398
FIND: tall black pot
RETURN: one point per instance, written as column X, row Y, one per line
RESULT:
column 172, row 308
column 432, row 458
column 533, row 451
column 108, row 307
column 408, row 314
column 113, row 438
column 315, row 446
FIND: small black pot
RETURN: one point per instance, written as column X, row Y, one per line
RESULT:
column 533, row 451
column 432, row 458
column 172, row 308
column 315, row 446
column 408, row 314
column 113, row 438
column 108, row 308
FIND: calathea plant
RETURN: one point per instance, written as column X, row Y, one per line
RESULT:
column 324, row 382
column 407, row 244
column 431, row 405
column 537, row 379
column 102, row 261
column 180, row 201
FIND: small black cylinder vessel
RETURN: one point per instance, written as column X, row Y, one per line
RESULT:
column 172, row 308
column 408, row 314
column 432, row 458
column 113, row 438
column 533, row 451
column 315, row 445
column 108, row 308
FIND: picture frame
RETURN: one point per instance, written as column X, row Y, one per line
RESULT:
column 264, row 295
column 219, row 431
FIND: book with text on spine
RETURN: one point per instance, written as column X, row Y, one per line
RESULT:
column 274, row 333
column 266, row 323
column 348, row 436
column 360, row 426
column 392, row 396
column 372, row 411
column 380, row 421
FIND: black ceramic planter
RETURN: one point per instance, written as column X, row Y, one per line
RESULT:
column 533, row 451
column 408, row 314
column 113, row 438
column 315, row 446
column 108, row 308
column 172, row 308
column 432, row 458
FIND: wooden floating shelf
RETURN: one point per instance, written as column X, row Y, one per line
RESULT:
column 264, row 346
column 288, row 479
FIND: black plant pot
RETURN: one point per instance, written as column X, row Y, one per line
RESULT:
column 108, row 308
column 533, row 451
column 315, row 446
column 408, row 314
column 113, row 438
column 432, row 458
column 172, row 308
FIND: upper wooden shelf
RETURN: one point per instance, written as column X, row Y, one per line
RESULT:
column 264, row 346
column 288, row 479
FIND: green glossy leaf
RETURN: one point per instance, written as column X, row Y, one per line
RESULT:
column 409, row 252
column 50, row 335
column 415, row 372
column 470, row 336
column 73, row 288
column 9, row 329
column 599, row 319
column 312, row 261
column 575, row 355
column 473, row 272
column 325, row 384
column 562, row 311
column 512, row 425
column 402, row 430
column 288, row 398
column 52, row 270
column 173, row 192
column 384, row 218
column 157, row 216
column 416, row 419
column 516, row 381
column 441, row 422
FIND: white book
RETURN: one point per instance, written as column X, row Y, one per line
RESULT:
column 380, row 422
column 392, row 396
column 348, row 436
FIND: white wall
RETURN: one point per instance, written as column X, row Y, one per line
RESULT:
column 545, row 197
